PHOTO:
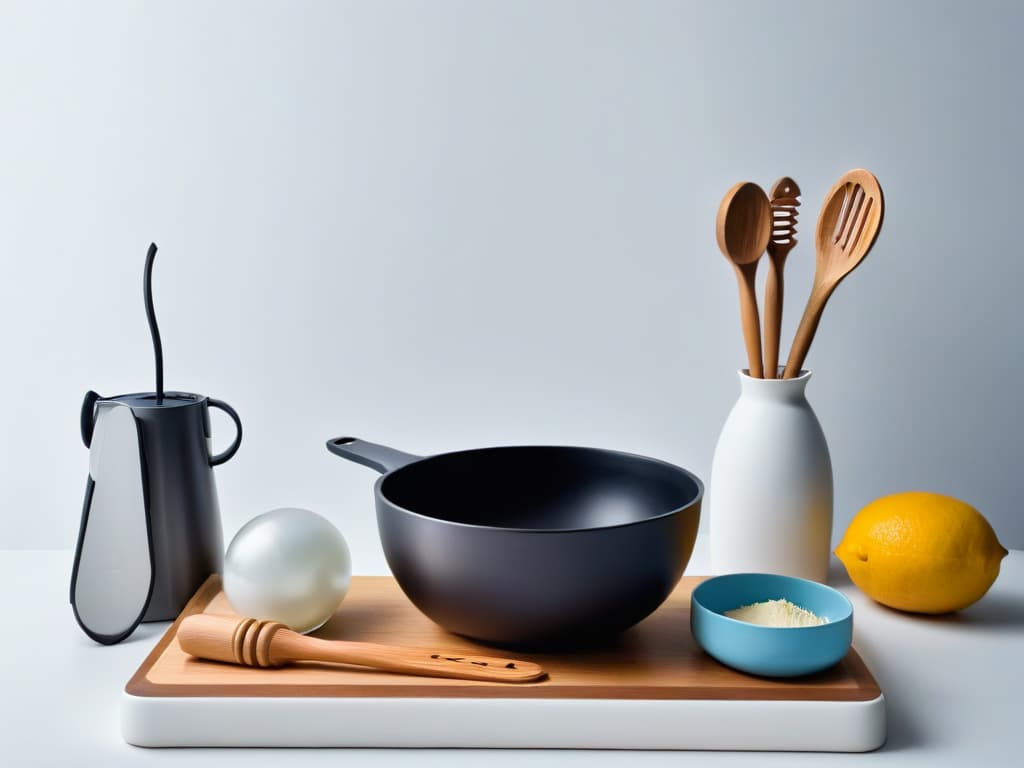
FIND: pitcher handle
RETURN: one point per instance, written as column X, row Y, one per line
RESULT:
column 87, row 421
column 220, row 458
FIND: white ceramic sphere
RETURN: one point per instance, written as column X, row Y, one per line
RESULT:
column 287, row 565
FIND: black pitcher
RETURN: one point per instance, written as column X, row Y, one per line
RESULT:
column 150, row 532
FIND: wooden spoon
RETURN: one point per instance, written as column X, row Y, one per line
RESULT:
column 785, row 199
column 255, row 643
column 743, row 227
column 848, row 224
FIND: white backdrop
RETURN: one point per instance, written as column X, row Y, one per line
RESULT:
column 444, row 225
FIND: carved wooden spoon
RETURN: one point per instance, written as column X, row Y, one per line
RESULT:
column 255, row 643
column 785, row 199
column 743, row 227
column 848, row 224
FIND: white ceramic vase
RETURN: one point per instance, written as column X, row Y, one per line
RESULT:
column 770, row 496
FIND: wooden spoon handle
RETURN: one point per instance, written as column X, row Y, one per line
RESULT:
column 269, row 644
column 749, row 318
column 773, row 292
column 805, row 332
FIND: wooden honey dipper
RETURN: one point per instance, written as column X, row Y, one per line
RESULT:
column 256, row 643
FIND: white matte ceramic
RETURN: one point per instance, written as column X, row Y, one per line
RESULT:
column 353, row 721
column 770, row 495
column 287, row 565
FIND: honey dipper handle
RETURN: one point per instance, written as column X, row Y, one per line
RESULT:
column 416, row 661
column 269, row 644
column 773, row 295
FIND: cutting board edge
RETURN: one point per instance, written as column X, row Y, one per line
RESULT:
column 832, row 726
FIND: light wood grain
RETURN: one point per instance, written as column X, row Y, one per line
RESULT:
column 257, row 643
column 657, row 659
column 848, row 225
column 784, row 198
column 743, row 227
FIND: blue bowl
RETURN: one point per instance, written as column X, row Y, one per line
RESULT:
column 770, row 651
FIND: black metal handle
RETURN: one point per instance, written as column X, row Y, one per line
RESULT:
column 378, row 457
column 87, row 421
column 220, row 458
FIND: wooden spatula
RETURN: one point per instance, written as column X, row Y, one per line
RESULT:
column 848, row 224
column 255, row 643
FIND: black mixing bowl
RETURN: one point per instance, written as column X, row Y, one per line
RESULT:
column 532, row 545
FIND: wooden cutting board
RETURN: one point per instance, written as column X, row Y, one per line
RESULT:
column 654, row 670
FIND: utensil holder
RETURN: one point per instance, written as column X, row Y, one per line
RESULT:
column 770, row 495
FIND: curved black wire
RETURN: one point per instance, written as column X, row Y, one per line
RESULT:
column 154, row 331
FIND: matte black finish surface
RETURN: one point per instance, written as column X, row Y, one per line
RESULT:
column 188, row 543
column 187, row 540
column 533, row 546
column 178, row 498
column 154, row 329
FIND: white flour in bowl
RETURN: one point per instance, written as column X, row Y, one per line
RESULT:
column 776, row 613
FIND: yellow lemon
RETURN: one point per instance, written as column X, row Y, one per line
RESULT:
column 921, row 552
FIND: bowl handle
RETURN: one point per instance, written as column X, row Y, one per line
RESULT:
column 378, row 457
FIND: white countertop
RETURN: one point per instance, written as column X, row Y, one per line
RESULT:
column 953, row 687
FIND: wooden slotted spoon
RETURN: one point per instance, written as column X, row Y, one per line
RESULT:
column 848, row 224
column 785, row 200
column 743, row 227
